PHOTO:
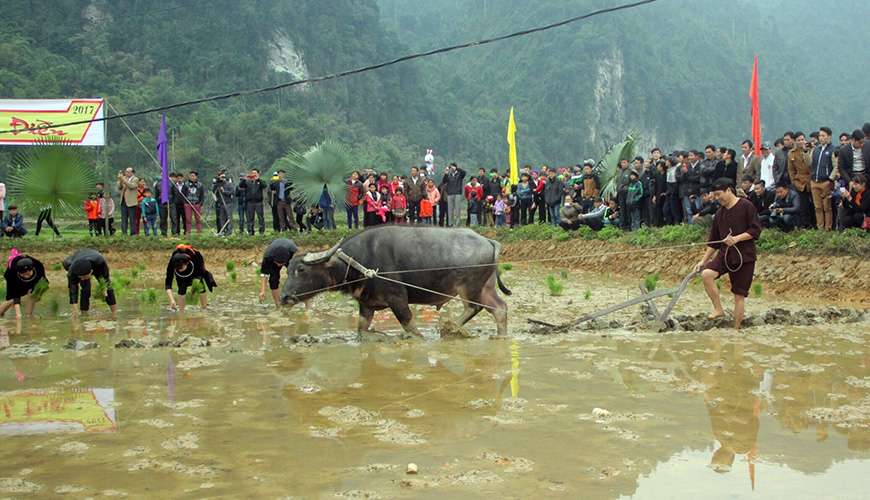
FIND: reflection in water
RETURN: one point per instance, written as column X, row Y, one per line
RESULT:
column 280, row 404
column 57, row 410
column 515, row 369
column 734, row 411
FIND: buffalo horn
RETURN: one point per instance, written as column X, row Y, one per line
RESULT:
column 320, row 257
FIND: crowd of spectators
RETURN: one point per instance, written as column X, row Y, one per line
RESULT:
column 802, row 181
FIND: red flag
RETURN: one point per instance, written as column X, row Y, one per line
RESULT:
column 756, row 116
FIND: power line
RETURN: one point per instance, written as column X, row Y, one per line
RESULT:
column 334, row 76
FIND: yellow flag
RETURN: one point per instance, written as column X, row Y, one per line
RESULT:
column 512, row 149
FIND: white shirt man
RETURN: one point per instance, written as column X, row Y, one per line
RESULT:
column 766, row 173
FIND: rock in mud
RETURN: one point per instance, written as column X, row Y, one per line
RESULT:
column 80, row 345
column 26, row 350
column 129, row 344
column 186, row 341
column 411, row 469
column 303, row 339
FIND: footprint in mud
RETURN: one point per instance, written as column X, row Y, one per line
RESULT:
column 73, row 448
column 385, row 429
column 18, row 485
column 188, row 441
column 68, row 489
column 357, row 494
column 511, row 464
column 156, row 422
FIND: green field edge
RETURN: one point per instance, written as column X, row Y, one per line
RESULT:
column 854, row 242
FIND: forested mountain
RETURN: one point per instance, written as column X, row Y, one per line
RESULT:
column 676, row 72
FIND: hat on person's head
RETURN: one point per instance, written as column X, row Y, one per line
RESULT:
column 633, row 172
column 589, row 162
column 24, row 264
column 858, row 135
column 81, row 267
column 179, row 259
column 765, row 145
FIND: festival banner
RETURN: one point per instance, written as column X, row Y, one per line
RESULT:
column 40, row 411
column 33, row 121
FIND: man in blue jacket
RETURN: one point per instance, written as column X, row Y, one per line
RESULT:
column 786, row 208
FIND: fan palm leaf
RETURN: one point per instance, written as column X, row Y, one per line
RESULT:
column 608, row 165
column 51, row 175
column 326, row 164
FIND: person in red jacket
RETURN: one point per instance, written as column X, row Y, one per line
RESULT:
column 92, row 211
column 352, row 200
column 399, row 206
column 473, row 187
column 372, row 206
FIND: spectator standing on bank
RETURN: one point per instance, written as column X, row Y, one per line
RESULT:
column 554, row 191
column 194, row 195
column 821, row 184
column 352, row 198
column 453, row 180
column 254, row 189
column 799, row 160
column 415, row 190
column 127, row 187
column 224, row 192
column 164, row 207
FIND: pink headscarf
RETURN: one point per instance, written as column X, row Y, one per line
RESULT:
column 12, row 254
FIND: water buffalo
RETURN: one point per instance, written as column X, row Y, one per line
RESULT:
column 457, row 262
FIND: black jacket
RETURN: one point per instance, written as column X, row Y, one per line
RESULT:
column 15, row 286
column 846, row 162
column 822, row 163
column 554, row 191
column 780, row 166
column 198, row 272
column 454, row 181
column 99, row 266
column 762, row 203
column 253, row 190
column 280, row 250
column 708, row 172
column 688, row 181
column 194, row 192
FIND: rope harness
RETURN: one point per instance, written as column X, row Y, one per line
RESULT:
column 369, row 274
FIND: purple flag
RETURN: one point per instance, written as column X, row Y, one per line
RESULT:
column 163, row 158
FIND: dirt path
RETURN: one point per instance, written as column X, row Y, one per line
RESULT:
column 824, row 280
column 821, row 280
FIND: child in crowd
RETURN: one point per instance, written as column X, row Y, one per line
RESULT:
column 473, row 208
column 433, row 196
column 498, row 210
column 150, row 211
column 488, row 218
column 384, row 208
column 92, row 212
column 106, row 221
column 399, row 206
column 372, row 205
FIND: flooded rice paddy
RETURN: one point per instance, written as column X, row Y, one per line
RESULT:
column 242, row 401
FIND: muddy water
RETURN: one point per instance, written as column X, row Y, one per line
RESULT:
column 282, row 405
